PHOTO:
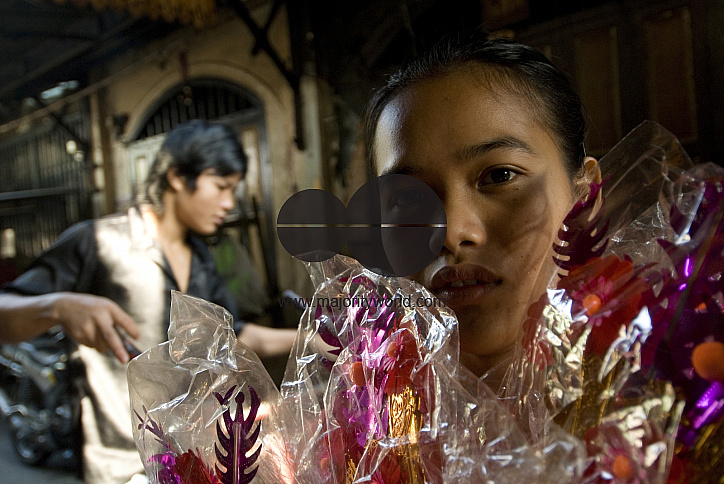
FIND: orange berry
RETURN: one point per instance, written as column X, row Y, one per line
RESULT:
column 357, row 373
column 623, row 468
column 391, row 349
column 592, row 304
column 708, row 360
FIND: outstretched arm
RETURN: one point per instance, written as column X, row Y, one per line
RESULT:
column 89, row 320
column 267, row 342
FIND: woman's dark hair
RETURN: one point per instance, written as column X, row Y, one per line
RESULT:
column 506, row 64
column 191, row 148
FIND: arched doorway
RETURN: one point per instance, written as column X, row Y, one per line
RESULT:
column 218, row 100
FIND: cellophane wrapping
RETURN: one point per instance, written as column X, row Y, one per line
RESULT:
column 619, row 376
column 608, row 351
column 379, row 395
column 204, row 408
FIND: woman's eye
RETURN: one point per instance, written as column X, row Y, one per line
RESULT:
column 497, row 176
column 406, row 199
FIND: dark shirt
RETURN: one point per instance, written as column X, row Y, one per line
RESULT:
column 116, row 258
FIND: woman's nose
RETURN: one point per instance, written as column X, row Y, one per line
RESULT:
column 465, row 227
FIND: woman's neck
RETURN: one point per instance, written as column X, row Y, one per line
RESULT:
column 492, row 368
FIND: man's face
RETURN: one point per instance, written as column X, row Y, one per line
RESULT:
column 203, row 210
column 505, row 190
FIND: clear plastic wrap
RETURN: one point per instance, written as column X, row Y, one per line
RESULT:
column 619, row 376
column 372, row 393
column 607, row 352
column 375, row 382
column 200, row 399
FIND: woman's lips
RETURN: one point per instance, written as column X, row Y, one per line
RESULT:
column 465, row 296
column 464, row 284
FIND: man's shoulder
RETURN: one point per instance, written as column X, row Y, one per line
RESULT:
column 87, row 234
column 118, row 233
column 91, row 225
column 112, row 221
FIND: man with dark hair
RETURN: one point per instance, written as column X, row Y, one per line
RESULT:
column 105, row 277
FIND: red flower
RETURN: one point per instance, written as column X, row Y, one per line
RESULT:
column 679, row 473
column 330, row 453
column 389, row 471
column 609, row 293
column 614, row 457
column 191, row 469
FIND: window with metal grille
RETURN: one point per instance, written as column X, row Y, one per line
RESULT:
column 209, row 99
column 45, row 185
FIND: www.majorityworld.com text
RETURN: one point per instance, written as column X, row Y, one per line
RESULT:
column 363, row 302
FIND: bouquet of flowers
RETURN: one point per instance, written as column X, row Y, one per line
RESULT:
column 625, row 351
column 618, row 377
column 378, row 395
column 206, row 411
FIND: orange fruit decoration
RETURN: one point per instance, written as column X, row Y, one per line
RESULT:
column 357, row 374
column 708, row 360
column 623, row 468
column 592, row 304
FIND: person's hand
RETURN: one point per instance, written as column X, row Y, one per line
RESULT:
column 267, row 342
column 95, row 321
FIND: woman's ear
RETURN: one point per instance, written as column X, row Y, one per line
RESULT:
column 592, row 170
column 589, row 173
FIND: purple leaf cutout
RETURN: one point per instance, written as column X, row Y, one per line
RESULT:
column 237, row 438
column 155, row 429
column 582, row 236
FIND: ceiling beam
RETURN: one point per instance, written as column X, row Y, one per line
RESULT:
column 272, row 15
column 293, row 77
column 63, row 57
column 44, row 34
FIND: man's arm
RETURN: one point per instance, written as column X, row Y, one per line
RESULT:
column 267, row 342
column 89, row 320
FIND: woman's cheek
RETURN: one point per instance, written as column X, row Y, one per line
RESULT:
column 528, row 221
column 528, row 233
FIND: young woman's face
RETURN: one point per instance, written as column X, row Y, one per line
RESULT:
column 203, row 210
column 505, row 190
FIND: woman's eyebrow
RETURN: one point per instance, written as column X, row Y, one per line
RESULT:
column 401, row 170
column 487, row 146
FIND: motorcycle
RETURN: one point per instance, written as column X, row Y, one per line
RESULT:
column 40, row 388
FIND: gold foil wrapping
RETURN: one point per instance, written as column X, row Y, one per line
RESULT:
column 589, row 409
column 706, row 458
column 405, row 420
column 404, row 423
column 564, row 382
